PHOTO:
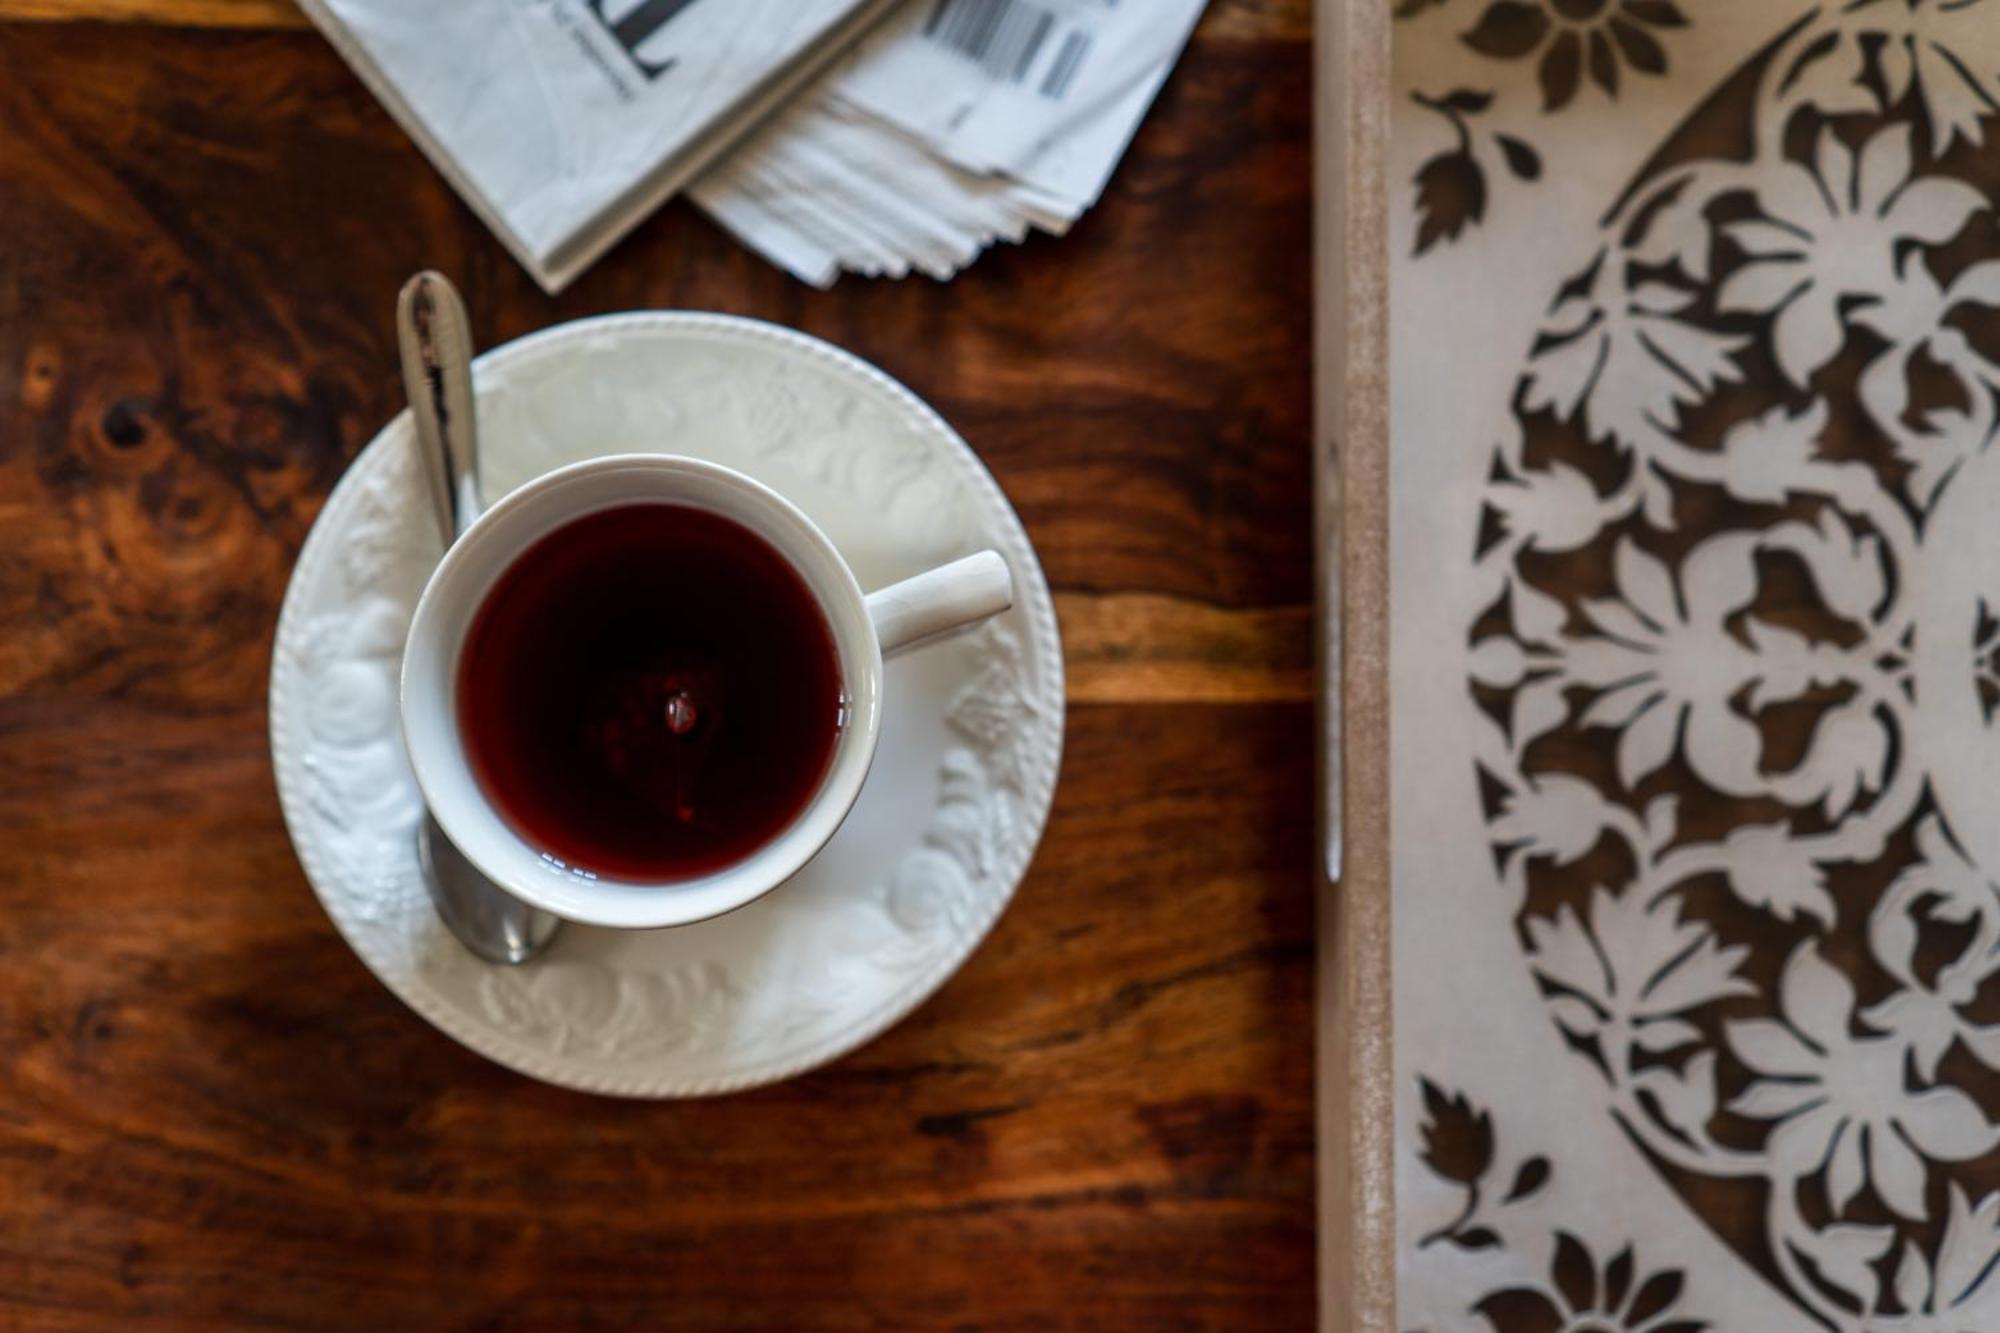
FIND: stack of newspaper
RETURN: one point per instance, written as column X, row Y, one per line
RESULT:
column 872, row 136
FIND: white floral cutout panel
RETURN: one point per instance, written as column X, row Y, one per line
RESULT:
column 1698, row 1015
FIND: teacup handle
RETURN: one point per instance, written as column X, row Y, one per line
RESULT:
column 932, row 604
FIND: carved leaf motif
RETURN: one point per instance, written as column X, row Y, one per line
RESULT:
column 1767, row 454
column 1768, row 869
column 1965, row 1266
column 1627, row 358
column 1508, row 29
column 1458, row 1140
column 1555, row 509
column 1560, row 816
column 1686, row 1096
column 1521, row 157
column 1451, row 196
column 1846, row 1254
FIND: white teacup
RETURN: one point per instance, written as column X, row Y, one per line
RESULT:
column 866, row 629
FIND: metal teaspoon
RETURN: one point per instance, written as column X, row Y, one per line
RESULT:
column 436, row 342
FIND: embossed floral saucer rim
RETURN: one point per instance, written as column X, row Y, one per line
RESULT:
column 1041, row 752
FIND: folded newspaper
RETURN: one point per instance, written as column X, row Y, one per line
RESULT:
column 872, row 136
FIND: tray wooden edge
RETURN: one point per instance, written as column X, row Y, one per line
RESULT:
column 1355, row 1050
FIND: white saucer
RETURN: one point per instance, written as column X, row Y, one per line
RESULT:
column 922, row 868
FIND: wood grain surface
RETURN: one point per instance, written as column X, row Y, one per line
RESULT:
column 212, row 1116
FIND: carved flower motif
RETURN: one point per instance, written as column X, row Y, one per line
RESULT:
column 1830, row 231
column 1633, row 968
column 1579, row 1297
column 1844, row 1100
column 1671, row 667
column 1571, row 33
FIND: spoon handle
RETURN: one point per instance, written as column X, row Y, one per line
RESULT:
column 436, row 341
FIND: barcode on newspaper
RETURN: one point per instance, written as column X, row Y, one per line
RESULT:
column 1063, row 71
column 1007, row 39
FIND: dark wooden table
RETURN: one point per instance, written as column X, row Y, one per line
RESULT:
column 211, row 1115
